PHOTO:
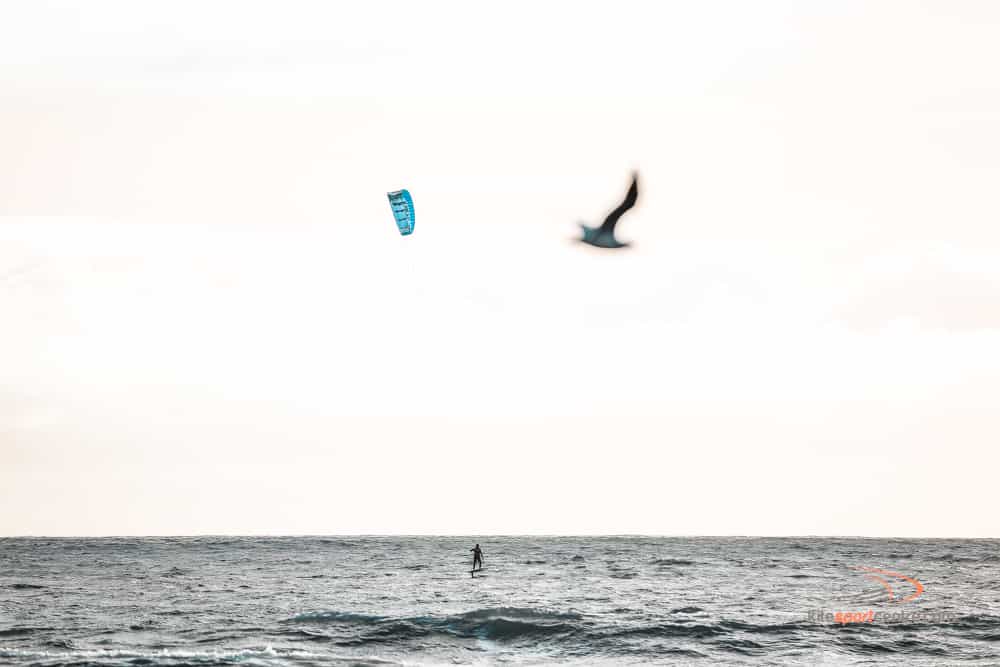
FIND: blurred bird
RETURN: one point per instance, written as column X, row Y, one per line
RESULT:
column 604, row 236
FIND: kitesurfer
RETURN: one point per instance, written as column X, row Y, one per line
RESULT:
column 477, row 557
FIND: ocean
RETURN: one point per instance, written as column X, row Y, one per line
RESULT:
column 538, row 600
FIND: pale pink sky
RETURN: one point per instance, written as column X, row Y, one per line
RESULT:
column 208, row 323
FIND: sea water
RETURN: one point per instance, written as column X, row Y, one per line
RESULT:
column 582, row 600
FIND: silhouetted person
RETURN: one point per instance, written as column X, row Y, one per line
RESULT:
column 477, row 557
column 604, row 236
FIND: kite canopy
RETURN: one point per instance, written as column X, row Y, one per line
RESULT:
column 402, row 208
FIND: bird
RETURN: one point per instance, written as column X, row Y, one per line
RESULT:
column 604, row 236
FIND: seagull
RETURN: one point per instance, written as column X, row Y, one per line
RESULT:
column 604, row 236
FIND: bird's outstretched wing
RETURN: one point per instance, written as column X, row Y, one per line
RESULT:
column 608, row 226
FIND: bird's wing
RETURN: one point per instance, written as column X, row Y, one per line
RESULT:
column 608, row 226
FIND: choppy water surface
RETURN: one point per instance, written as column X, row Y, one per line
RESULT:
column 410, row 600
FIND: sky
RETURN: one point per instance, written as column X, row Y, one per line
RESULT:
column 209, row 323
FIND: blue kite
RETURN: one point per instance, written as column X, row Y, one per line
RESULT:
column 402, row 208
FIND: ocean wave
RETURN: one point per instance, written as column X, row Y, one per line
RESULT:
column 144, row 624
column 520, row 612
column 741, row 646
column 502, row 628
column 975, row 622
column 517, row 623
column 20, row 632
column 667, row 631
column 344, row 544
column 178, row 657
column 337, row 617
column 953, row 558
column 496, row 623
column 671, row 561
column 103, row 654
column 764, row 628
column 687, row 610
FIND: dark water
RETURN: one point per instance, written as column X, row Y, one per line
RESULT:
column 617, row 600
